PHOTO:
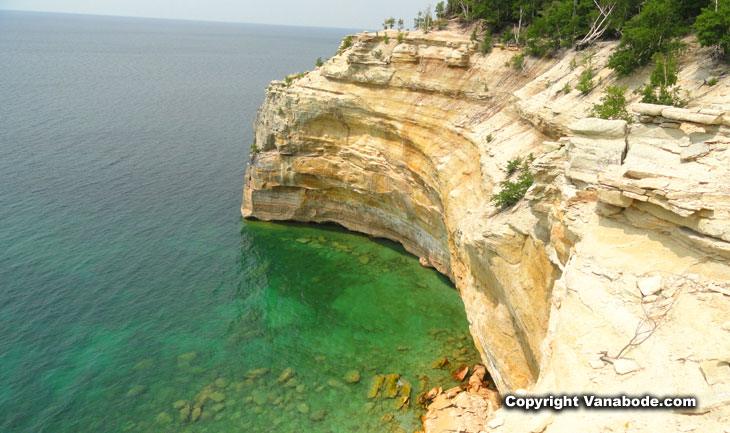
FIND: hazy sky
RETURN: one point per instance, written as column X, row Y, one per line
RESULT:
column 325, row 13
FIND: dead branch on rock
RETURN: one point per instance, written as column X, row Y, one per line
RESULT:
column 655, row 315
column 600, row 24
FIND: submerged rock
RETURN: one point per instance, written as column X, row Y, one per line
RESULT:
column 334, row 383
column 222, row 383
column 195, row 414
column 422, row 383
column 286, row 375
column 184, row 413
column 144, row 364
column 377, row 383
column 318, row 416
column 259, row 397
column 136, row 390
column 352, row 376
column 217, row 396
column 291, row 383
column 163, row 418
column 257, row 373
column 440, row 364
column 405, row 389
column 180, row 404
column 184, row 360
column 391, row 385
column 303, row 408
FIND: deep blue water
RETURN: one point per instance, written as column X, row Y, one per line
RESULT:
column 128, row 281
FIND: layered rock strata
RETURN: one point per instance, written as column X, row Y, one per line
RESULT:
column 611, row 276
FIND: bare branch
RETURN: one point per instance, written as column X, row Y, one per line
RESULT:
column 600, row 24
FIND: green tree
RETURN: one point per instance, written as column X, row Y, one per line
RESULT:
column 649, row 32
column 486, row 43
column 662, row 88
column 440, row 9
column 713, row 26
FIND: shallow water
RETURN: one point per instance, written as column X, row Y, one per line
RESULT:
column 128, row 281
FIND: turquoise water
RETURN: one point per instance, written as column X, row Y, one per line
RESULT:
column 133, row 297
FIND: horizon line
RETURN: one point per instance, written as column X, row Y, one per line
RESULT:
column 180, row 19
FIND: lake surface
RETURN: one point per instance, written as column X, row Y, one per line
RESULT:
column 132, row 295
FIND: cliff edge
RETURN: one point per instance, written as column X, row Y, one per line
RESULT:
column 610, row 277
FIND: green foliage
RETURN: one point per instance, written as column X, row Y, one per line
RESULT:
column 662, row 88
column 346, row 43
column 513, row 165
column 647, row 33
column 386, row 38
column 423, row 20
column 474, row 34
column 440, row 9
column 573, row 63
column 280, row 111
column 585, row 82
column 713, row 26
column 486, row 45
column 567, row 88
column 517, row 62
column 508, row 36
column 388, row 23
column 288, row 80
column 400, row 24
column 400, row 37
column 378, row 54
column 319, row 62
column 512, row 192
column 712, row 81
column 489, row 138
column 255, row 149
column 613, row 105
column 547, row 26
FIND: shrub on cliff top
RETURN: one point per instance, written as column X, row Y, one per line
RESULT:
column 346, row 43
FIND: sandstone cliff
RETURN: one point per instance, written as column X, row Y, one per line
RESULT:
column 610, row 277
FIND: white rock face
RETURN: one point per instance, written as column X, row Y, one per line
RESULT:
column 620, row 248
column 650, row 285
column 625, row 366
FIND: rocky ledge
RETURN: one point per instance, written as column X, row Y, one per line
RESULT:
column 610, row 277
